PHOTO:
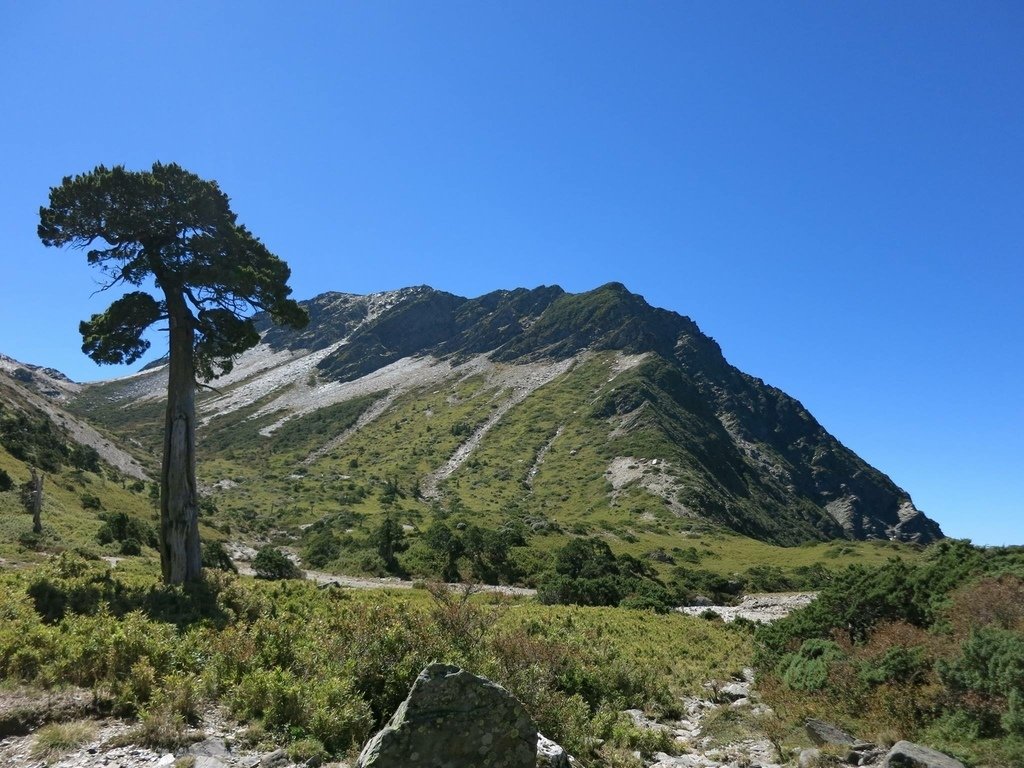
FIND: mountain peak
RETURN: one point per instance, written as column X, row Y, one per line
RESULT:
column 649, row 401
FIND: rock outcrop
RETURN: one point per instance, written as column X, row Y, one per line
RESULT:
column 454, row 719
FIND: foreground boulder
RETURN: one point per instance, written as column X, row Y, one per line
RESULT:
column 454, row 719
column 906, row 754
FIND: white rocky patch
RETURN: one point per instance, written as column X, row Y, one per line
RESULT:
column 656, row 476
column 758, row 607
column 541, row 454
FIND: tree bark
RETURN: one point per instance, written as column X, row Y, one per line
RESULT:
column 37, row 501
column 179, row 502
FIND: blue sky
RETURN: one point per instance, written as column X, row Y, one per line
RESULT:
column 833, row 191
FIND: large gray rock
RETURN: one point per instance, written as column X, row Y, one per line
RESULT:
column 822, row 734
column 454, row 719
column 906, row 754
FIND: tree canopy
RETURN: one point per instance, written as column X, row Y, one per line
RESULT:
column 178, row 229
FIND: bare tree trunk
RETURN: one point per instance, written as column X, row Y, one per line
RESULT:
column 37, row 500
column 179, row 503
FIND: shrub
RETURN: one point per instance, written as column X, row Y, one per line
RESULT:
column 215, row 556
column 6, row 482
column 321, row 548
column 91, row 501
column 132, row 532
column 989, row 675
column 807, row 669
column 272, row 563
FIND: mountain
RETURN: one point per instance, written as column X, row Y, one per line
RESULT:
column 582, row 413
column 34, row 422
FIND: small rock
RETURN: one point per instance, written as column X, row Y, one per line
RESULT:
column 906, row 754
column 550, row 754
column 740, row 703
column 167, row 759
column 275, row 759
column 809, row 758
column 209, row 748
column 822, row 733
column 735, row 691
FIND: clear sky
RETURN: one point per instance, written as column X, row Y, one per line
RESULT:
column 833, row 191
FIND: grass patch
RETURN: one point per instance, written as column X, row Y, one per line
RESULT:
column 57, row 739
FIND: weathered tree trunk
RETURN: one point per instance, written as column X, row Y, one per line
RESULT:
column 179, row 501
column 37, row 501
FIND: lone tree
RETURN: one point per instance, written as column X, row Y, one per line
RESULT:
column 210, row 274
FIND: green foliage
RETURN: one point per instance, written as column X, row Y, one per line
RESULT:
column 320, row 548
column 126, row 529
column 272, row 563
column 84, row 457
column 587, row 572
column 34, row 440
column 327, row 667
column 490, row 552
column 989, row 674
column 445, row 548
column 218, row 260
column 216, row 556
column 807, row 669
column 687, row 583
column 933, row 651
column 389, row 540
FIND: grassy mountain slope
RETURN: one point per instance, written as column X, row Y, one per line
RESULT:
column 557, row 414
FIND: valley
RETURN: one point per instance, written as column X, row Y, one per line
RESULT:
column 588, row 475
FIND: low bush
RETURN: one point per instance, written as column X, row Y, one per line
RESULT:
column 931, row 651
column 322, row 669
column 272, row 563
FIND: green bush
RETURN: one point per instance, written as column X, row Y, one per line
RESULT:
column 807, row 669
column 320, row 548
column 129, row 530
column 272, row 563
column 931, row 651
column 989, row 674
column 215, row 556
column 328, row 667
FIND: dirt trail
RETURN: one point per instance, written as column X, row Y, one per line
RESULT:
column 370, row 582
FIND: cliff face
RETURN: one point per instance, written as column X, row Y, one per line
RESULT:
column 654, row 407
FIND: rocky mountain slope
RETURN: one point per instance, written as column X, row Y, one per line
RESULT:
column 586, row 412
column 38, row 395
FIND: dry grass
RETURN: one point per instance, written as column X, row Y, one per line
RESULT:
column 60, row 738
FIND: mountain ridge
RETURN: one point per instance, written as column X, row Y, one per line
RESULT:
column 740, row 453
